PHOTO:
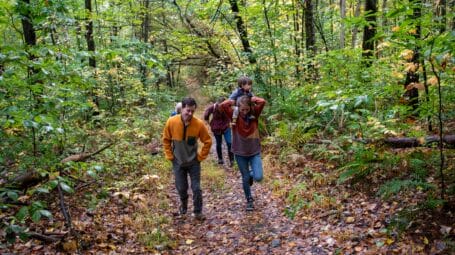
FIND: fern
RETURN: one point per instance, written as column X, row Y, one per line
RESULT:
column 352, row 170
column 395, row 186
column 295, row 134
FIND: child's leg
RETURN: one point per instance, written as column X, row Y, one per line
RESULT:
column 235, row 114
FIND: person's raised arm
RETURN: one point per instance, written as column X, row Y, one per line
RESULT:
column 207, row 112
column 259, row 104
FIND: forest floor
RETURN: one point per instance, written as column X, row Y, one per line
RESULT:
column 299, row 209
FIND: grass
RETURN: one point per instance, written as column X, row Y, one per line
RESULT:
column 212, row 176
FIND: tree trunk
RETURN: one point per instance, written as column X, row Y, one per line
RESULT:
column 272, row 39
column 310, row 36
column 441, row 13
column 369, row 31
column 297, row 41
column 355, row 30
column 27, row 26
column 342, row 16
column 412, row 76
column 89, row 33
column 145, row 30
column 242, row 31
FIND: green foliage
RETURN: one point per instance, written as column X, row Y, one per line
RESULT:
column 295, row 200
column 394, row 186
column 366, row 161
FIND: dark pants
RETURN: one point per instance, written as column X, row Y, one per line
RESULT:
column 219, row 143
column 181, row 183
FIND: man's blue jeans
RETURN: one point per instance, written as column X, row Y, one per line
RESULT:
column 181, row 183
column 244, row 163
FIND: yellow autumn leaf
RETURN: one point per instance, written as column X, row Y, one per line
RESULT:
column 113, row 71
column 395, row 29
column 397, row 75
column 425, row 240
column 407, row 54
column 189, row 241
column 389, row 241
column 410, row 67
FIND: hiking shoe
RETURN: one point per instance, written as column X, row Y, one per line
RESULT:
column 220, row 162
column 249, row 206
column 182, row 210
column 251, row 180
column 199, row 216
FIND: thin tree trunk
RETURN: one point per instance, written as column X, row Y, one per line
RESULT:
column 384, row 13
column 412, row 75
column 355, row 29
column 89, row 33
column 145, row 29
column 30, row 41
column 441, row 13
column 272, row 40
column 297, row 41
column 342, row 16
column 242, row 31
column 369, row 31
column 310, row 35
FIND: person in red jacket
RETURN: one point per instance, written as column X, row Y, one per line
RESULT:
column 180, row 141
column 246, row 144
column 219, row 124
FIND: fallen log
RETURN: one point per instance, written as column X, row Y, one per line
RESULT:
column 51, row 238
column 408, row 142
column 32, row 178
column 84, row 156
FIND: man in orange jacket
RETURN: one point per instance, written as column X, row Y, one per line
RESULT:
column 180, row 141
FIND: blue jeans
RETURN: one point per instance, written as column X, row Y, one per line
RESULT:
column 219, row 143
column 244, row 163
column 181, row 183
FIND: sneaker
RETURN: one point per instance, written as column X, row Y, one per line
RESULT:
column 182, row 210
column 199, row 216
column 249, row 206
column 251, row 180
column 220, row 162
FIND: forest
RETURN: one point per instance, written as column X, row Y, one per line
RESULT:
column 357, row 134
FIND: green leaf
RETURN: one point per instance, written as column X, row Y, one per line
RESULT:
column 13, row 195
column 23, row 236
column 46, row 213
column 91, row 173
column 42, row 190
column 36, row 216
column 22, row 213
column 65, row 187
column 53, row 184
